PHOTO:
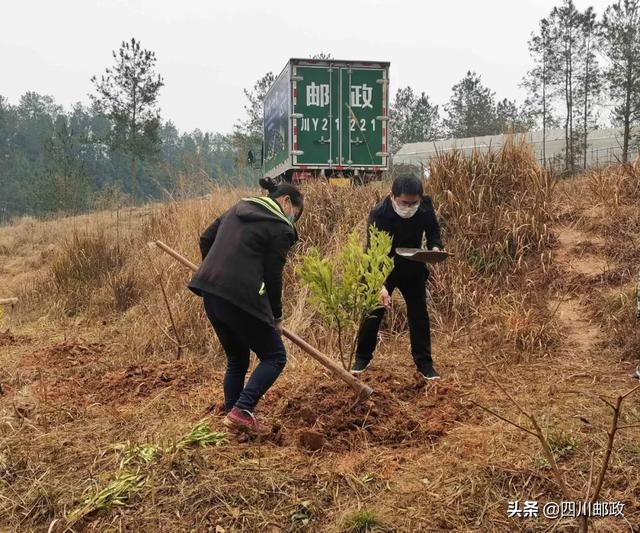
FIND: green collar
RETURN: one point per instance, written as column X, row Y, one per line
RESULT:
column 271, row 205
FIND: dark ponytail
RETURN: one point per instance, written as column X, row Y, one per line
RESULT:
column 276, row 190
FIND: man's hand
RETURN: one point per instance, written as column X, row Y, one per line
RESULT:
column 385, row 299
column 279, row 325
column 436, row 249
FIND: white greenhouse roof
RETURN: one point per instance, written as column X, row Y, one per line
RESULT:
column 604, row 146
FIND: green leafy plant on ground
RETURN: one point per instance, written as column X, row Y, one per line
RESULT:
column 202, row 435
column 129, row 481
column 346, row 290
column 115, row 494
column 562, row 444
column 362, row 522
column 138, row 454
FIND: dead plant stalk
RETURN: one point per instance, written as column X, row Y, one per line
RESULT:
column 537, row 432
column 178, row 340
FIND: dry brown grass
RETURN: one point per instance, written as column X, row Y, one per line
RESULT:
column 616, row 185
column 496, row 209
column 615, row 194
column 86, row 368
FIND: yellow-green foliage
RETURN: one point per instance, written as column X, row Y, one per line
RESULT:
column 140, row 453
column 347, row 289
column 115, row 494
column 202, row 435
column 362, row 522
column 129, row 481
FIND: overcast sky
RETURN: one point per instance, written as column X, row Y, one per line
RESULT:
column 209, row 50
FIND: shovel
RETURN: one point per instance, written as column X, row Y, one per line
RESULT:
column 362, row 391
column 422, row 255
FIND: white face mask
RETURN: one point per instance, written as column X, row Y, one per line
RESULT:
column 404, row 211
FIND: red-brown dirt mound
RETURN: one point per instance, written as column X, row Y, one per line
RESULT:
column 68, row 353
column 130, row 384
column 7, row 338
column 402, row 411
column 140, row 381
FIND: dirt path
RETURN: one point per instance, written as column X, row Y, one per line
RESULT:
column 577, row 254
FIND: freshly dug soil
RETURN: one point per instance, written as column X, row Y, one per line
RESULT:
column 402, row 411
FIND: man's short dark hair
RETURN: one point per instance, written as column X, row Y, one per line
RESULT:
column 406, row 184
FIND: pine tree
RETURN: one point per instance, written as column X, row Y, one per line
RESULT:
column 573, row 78
column 471, row 109
column 248, row 133
column 128, row 94
column 412, row 119
column 619, row 42
column 512, row 119
column 590, row 78
column 69, row 185
column 564, row 37
column 538, row 81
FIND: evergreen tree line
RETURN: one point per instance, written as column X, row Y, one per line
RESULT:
column 52, row 160
column 585, row 72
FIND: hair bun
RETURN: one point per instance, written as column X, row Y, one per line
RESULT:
column 268, row 184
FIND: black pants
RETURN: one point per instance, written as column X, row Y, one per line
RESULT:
column 239, row 332
column 413, row 289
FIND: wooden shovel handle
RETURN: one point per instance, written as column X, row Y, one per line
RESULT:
column 363, row 391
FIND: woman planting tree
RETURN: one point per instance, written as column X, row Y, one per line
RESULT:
column 240, row 281
column 407, row 215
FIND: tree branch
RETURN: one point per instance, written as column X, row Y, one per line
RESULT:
column 612, row 435
column 166, row 302
column 521, row 428
column 559, row 476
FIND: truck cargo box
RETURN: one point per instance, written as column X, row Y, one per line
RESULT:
column 327, row 118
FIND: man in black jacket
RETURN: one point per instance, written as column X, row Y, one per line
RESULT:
column 407, row 215
column 240, row 280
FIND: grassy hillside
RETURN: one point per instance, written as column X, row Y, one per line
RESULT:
column 100, row 384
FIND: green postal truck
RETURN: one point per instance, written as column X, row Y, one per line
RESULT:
column 327, row 119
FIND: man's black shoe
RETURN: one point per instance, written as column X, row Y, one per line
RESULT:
column 359, row 366
column 428, row 372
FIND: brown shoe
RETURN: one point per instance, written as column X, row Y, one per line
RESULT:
column 243, row 421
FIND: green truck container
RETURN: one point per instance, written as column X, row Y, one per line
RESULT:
column 327, row 119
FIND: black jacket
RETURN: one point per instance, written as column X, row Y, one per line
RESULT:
column 243, row 254
column 407, row 232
